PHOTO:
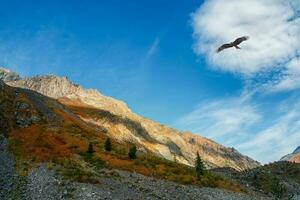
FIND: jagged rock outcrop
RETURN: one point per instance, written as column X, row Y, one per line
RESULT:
column 25, row 115
column 58, row 87
column 125, row 126
column 7, row 75
column 293, row 157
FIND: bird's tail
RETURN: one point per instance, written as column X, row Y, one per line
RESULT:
column 237, row 47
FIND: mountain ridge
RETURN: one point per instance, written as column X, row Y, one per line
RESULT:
column 292, row 157
column 124, row 125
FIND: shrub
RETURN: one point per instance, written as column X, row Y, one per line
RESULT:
column 278, row 189
column 107, row 145
column 94, row 160
column 132, row 152
column 73, row 171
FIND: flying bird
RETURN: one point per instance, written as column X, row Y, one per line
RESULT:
column 235, row 44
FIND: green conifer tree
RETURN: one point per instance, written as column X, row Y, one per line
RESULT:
column 107, row 145
column 90, row 148
column 132, row 152
column 199, row 166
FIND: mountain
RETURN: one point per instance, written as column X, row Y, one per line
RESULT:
column 45, row 140
column 114, row 119
column 293, row 157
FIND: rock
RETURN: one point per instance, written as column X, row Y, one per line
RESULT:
column 25, row 115
column 7, row 75
column 11, row 184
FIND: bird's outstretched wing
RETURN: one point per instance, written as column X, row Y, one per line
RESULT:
column 235, row 43
column 224, row 46
column 240, row 40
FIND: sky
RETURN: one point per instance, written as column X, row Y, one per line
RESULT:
column 159, row 57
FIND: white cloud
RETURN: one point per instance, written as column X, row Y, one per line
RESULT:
column 273, row 27
column 269, row 62
column 290, row 78
column 259, row 133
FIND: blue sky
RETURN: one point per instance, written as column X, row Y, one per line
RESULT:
column 158, row 57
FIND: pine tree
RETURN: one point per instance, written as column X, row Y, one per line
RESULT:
column 132, row 152
column 199, row 166
column 107, row 145
column 90, row 148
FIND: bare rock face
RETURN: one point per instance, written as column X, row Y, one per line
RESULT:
column 295, row 158
column 25, row 115
column 50, row 86
column 124, row 125
column 58, row 87
column 7, row 75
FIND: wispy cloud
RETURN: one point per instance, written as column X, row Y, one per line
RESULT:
column 153, row 48
column 239, row 122
column 289, row 79
column 278, row 139
column 220, row 118
column 274, row 30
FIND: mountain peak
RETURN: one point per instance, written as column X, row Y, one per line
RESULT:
column 6, row 75
column 5, row 69
column 60, row 87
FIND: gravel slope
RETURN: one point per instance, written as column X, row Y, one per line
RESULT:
column 11, row 184
column 44, row 184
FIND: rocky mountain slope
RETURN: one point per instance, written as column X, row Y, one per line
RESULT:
column 293, row 157
column 116, row 120
column 44, row 155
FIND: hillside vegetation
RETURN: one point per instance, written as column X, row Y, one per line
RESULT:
column 42, row 130
column 279, row 179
